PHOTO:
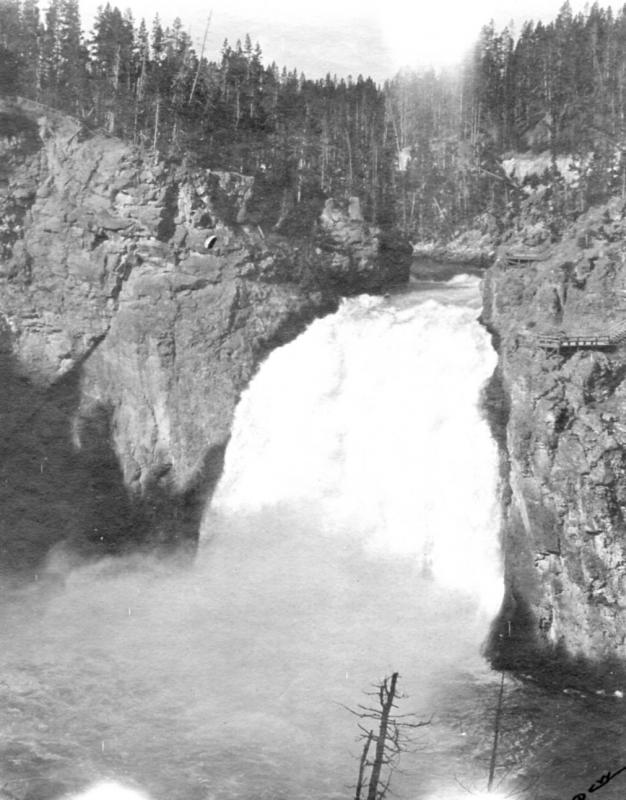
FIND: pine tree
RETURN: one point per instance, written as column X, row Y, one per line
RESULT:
column 157, row 41
column 9, row 24
column 112, row 65
column 141, row 60
column 11, row 58
column 29, row 43
column 71, row 63
column 50, row 53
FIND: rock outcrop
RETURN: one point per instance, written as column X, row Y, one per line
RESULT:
column 472, row 247
column 559, row 413
column 135, row 305
column 352, row 245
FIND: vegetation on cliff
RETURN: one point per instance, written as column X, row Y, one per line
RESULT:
column 423, row 152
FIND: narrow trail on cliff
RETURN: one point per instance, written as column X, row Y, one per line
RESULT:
column 354, row 532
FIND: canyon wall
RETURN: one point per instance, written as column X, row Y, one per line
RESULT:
column 136, row 301
column 558, row 409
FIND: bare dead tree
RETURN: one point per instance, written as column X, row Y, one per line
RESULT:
column 496, row 735
column 197, row 75
column 508, row 759
column 391, row 734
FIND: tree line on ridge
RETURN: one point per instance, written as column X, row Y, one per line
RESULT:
column 423, row 151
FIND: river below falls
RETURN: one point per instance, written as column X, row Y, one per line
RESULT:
column 354, row 533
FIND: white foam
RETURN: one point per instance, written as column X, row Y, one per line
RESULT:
column 461, row 278
column 110, row 790
column 371, row 418
column 358, row 456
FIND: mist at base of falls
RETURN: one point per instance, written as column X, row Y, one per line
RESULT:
column 354, row 533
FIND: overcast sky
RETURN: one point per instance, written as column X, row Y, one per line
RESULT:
column 371, row 37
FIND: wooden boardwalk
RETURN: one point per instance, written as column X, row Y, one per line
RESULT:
column 614, row 336
column 518, row 258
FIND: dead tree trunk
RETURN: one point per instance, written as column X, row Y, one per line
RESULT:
column 197, row 75
column 363, row 766
column 496, row 736
column 391, row 739
column 386, row 696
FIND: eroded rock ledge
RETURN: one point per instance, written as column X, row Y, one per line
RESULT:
column 125, row 341
column 560, row 416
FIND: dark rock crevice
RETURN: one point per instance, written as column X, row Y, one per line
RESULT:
column 61, row 483
column 516, row 644
column 160, row 517
column 167, row 225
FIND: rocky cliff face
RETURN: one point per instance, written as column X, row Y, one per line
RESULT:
column 136, row 302
column 560, row 416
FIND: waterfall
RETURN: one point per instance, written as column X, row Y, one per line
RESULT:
column 355, row 528
column 353, row 534
column 369, row 423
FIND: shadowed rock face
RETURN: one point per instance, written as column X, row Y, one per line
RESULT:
column 125, row 341
column 562, row 422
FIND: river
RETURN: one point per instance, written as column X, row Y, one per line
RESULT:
column 354, row 533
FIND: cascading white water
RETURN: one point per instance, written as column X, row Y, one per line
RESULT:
column 369, row 421
column 357, row 514
column 353, row 534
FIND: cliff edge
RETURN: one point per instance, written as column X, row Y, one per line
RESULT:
column 137, row 299
column 558, row 409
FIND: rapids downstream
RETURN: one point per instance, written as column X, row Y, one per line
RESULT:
column 354, row 533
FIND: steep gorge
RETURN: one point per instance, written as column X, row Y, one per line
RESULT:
column 560, row 417
column 125, row 344
column 127, row 335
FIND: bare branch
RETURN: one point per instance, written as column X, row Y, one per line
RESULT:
column 384, row 744
column 422, row 724
column 347, row 708
column 462, row 785
column 410, row 714
column 362, row 767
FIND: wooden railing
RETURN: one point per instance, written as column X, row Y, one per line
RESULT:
column 614, row 336
column 516, row 258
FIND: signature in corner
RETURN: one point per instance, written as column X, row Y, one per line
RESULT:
column 599, row 784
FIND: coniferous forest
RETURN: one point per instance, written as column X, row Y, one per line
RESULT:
column 423, row 152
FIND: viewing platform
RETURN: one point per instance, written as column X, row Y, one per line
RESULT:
column 563, row 342
column 520, row 257
column 614, row 336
